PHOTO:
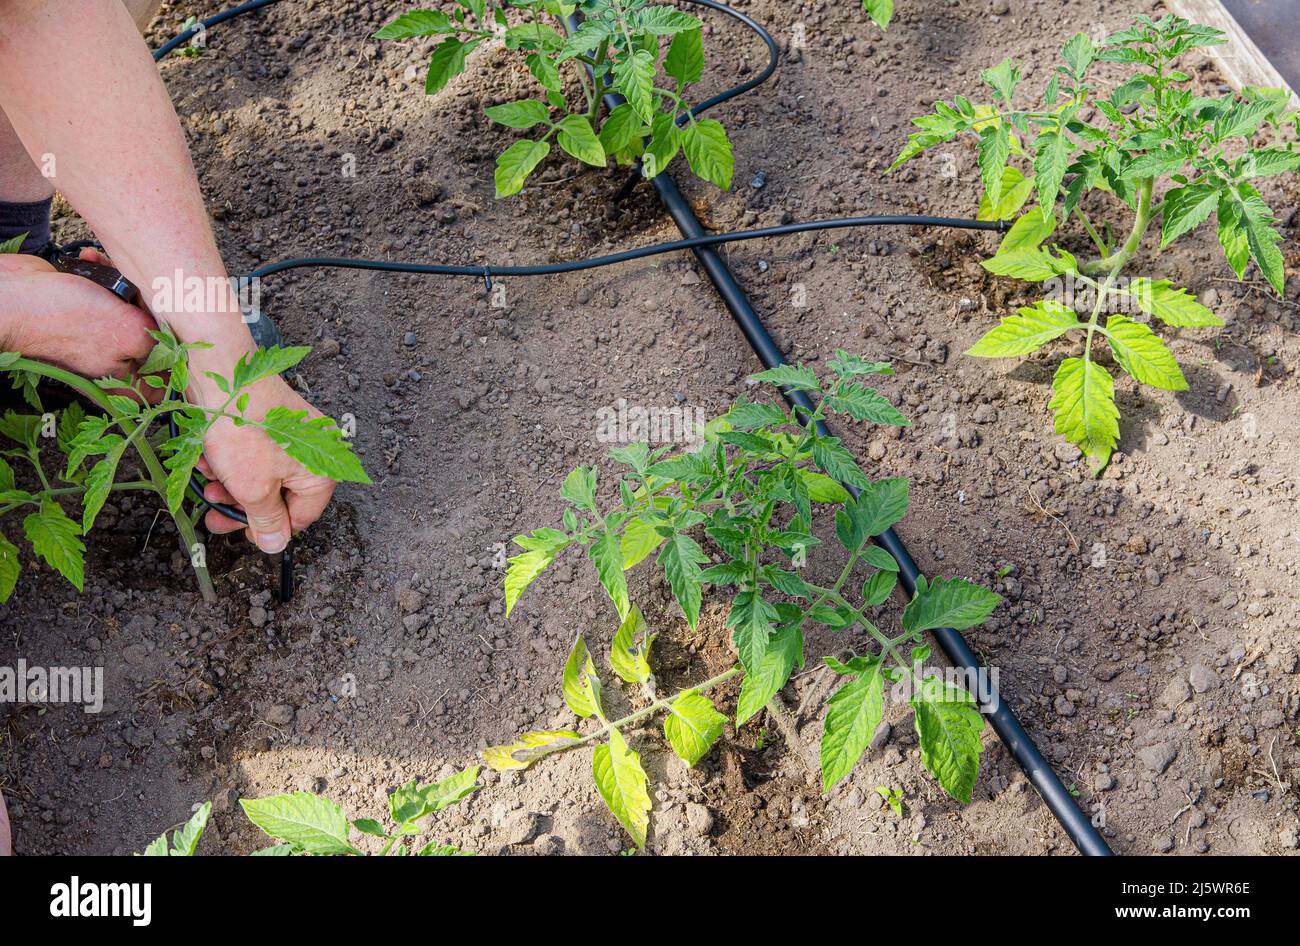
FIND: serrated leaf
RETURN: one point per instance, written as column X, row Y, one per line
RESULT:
column 1170, row 305
column 308, row 823
column 877, row 557
column 685, row 59
column 948, row 725
column 784, row 650
column 1240, row 119
column 622, row 784
column 55, row 538
column 1084, row 407
column 264, row 362
column 576, row 137
column 316, row 443
column 580, row 684
column 1141, row 353
column 416, row 23
column 634, row 80
column 185, row 840
column 1029, row 231
column 692, row 725
column 447, row 62
column 1026, row 262
column 994, row 149
column 541, row 547
column 821, row 488
column 665, row 142
column 412, row 801
column 516, row 163
column 1014, row 192
column 1051, row 158
column 853, row 713
column 1265, row 162
column 863, row 403
column 1185, row 208
column 1002, row 78
column 1029, row 330
column 522, row 114
column 620, row 129
column 751, row 620
column 877, row 588
column 640, row 539
column 792, row 377
column 579, row 488
column 1078, row 54
column 664, row 21
column 948, row 603
column 709, row 151
column 681, row 558
column 879, row 505
column 528, row 748
column 98, row 483
column 629, row 654
column 834, row 459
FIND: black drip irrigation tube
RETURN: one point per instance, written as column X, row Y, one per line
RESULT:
column 1002, row 719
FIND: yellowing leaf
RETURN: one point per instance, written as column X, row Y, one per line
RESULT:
column 622, row 784
column 528, row 748
column 1143, row 355
column 1172, row 306
column 1084, row 408
column 1032, row 328
column 580, row 684
column 692, row 725
column 629, row 654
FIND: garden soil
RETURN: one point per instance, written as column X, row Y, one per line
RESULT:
column 1148, row 637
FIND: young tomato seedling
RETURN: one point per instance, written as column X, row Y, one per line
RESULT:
column 618, row 47
column 91, row 449
column 305, row 823
column 1164, row 154
column 750, row 492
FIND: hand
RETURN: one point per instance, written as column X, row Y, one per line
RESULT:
column 252, row 472
column 68, row 321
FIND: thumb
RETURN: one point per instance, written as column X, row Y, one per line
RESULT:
column 268, row 521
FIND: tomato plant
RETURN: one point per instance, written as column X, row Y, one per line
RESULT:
column 750, row 493
column 1163, row 154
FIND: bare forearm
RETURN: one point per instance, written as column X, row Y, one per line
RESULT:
column 120, row 156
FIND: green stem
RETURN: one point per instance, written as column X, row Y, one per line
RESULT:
column 659, row 704
column 150, row 459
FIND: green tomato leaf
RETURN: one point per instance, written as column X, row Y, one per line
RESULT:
column 54, row 538
column 447, row 62
column 862, row 403
column 949, row 603
column 681, row 558
column 412, row 801
column 1186, row 208
column 634, row 78
column 540, row 547
column 416, row 23
column 10, row 567
column 629, row 654
column 948, row 725
column 621, row 128
column 1170, row 305
column 316, row 443
column 880, row 11
column 709, row 151
column 522, row 114
column 576, row 137
column 516, row 163
column 1029, row 330
column 853, row 713
column 761, row 683
column 308, row 823
column 685, row 59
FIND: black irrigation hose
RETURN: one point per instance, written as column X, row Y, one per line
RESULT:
column 1004, row 722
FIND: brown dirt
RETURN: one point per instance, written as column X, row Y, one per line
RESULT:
column 468, row 434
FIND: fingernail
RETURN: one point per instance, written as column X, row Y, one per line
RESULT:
column 272, row 542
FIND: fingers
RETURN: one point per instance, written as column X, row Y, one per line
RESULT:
column 268, row 520
column 94, row 255
column 217, row 523
column 307, row 502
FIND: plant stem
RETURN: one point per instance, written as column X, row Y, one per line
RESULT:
column 157, row 474
column 657, row 705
